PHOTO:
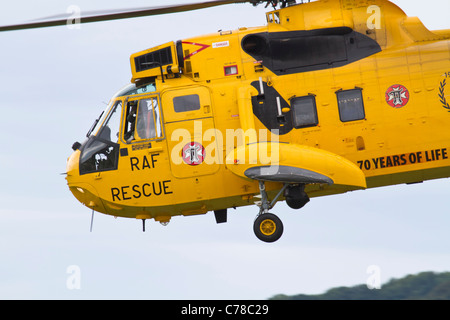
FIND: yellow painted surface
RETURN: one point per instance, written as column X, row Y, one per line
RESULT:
column 389, row 146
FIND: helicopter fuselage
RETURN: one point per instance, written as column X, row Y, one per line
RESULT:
column 348, row 101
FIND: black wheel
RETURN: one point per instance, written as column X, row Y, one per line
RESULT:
column 268, row 227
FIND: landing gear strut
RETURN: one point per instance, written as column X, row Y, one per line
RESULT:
column 267, row 226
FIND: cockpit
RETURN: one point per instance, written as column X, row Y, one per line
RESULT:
column 142, row 121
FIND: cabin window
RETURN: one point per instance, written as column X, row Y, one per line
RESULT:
column 186, row 103
column 351, row 106
column 304, row 111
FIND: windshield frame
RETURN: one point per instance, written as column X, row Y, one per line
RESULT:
column 98, row 123
column 132, row 90
column 128, row 90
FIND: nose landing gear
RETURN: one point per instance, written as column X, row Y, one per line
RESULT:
column 267, row 226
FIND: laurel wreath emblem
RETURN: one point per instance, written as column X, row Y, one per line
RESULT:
column 441, row 95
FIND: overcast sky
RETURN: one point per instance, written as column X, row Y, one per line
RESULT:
column 54, row 82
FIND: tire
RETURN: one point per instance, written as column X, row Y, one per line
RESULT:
column 268, row 227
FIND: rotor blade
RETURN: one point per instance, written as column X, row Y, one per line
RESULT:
column 96, row 16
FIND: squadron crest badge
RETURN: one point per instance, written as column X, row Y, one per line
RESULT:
column 397, row 96
column 193, row 153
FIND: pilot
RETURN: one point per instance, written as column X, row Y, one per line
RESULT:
column 131, row 121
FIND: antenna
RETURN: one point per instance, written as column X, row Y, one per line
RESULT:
column 92, row 220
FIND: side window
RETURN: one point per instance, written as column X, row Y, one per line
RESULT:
column 351, row 106
column 186, row 103
column 130, row 120
column 143, row 120
column 148, row 125
column 304, row 112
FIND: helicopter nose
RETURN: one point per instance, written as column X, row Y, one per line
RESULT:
column 80, row 188
column 72, row 164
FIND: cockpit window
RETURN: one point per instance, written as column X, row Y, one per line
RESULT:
column 97, row 123
column 148, row 124
column 143, row 120
column 131, row 90
column 100, row 152
column 111, row 127
column 273, row 17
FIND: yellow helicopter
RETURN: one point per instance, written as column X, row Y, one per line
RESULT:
column 329, row 97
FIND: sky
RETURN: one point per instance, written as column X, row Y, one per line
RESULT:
column 54, row 82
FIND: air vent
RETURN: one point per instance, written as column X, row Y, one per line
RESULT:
column 154, row 59
column 155, row 62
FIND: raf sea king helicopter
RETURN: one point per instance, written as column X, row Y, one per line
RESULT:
column 330, row 96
